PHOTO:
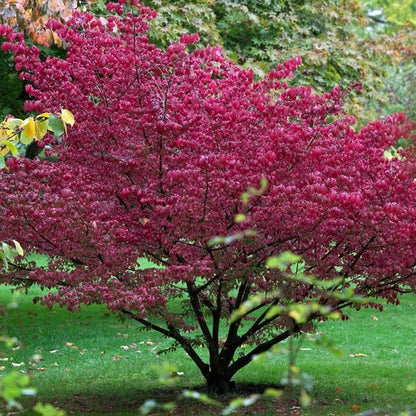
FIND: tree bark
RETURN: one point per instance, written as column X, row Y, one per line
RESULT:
column 218, row 383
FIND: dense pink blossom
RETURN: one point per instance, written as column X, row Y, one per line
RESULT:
column 165, row 142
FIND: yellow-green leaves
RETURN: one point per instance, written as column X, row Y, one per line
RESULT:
column 28, row 131
column 9, row 252
column 252, row 192
column 15, row 132
column 67, row 117
column 283, row 260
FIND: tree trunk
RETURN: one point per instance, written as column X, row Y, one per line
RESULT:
column 220, row 384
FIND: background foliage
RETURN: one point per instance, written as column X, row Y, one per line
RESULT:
column 338, row 42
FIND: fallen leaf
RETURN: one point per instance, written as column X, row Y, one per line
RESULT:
column 37, row 358
column 355, row 407
column 338, row 390
column 18, row 364
column 116, row 358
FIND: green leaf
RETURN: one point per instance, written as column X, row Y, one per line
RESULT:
column 4, row 260
column 239, row 218
column 245, row 307
column 14, row 123
column 240, row 402
column 282, row 261
column 274, row 393
column 201, row 397
column 12, row 148
column 25, row 138
column 55, row 125
column 7, row 251
column 274, row 311
column 48, row 410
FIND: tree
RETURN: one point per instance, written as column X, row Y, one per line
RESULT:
column 333, row 38
column 164, row 145
column 28, row 17
column 31, row 16
column 393, row 23
column 391, row 15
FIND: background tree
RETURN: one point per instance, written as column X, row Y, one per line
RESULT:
column 29, row 17
column 165, row 143
column 397, row 20
column 333, row 39
column 391, row 15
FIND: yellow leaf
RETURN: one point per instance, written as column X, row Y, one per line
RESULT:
column 41, row 127
column 29, row 128
column 67, row 117
column 7, row 134
column 18, row 247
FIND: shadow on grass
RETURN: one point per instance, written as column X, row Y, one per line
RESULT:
column 129, row 402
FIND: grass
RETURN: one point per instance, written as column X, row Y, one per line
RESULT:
column 90, row 363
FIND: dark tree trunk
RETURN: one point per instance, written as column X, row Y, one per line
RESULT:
column 220, row 384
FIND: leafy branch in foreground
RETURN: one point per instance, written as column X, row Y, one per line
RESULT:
column 16, row 135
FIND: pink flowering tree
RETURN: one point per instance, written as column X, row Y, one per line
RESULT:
column 164, row 144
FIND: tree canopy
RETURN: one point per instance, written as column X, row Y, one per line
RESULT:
column 166, row 141
column 340, row 42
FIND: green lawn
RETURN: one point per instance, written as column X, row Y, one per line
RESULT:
column 90, row 363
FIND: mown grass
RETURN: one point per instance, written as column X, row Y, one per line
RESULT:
column 90, row 363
